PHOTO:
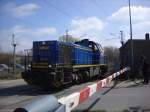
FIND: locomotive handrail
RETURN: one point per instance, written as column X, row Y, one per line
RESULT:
column 68, row 103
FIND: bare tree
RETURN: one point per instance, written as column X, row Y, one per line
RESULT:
column 112, row 54
column 1, row 48
column 68, row 38
column 5, row 58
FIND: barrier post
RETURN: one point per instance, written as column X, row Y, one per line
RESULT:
column 45, row 104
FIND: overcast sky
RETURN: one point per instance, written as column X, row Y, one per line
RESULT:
column 98, row 20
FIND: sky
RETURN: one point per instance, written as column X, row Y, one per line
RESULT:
column 97, row 20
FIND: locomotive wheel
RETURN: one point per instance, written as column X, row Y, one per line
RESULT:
column 73, row 78
column 29, row 81
column 86, row 76
column 52, row 84
column 57, row 84
column 77, row 79
column 80, row 78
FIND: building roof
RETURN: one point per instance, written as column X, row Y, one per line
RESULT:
column 139, row 42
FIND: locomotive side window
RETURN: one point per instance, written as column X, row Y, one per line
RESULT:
column 90, row 45
column 95, row 48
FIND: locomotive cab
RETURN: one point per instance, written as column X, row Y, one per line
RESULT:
column 99, row 56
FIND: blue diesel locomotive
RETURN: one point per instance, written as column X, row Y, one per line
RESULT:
column 57, row 63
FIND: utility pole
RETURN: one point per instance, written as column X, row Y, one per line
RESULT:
column 121, row 37
column 67, row 36
column 14, row 51
column 27, row 58
column 132, row 55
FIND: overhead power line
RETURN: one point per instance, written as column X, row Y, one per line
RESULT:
column 80, row 11
column 59, row 10
column 98, row 6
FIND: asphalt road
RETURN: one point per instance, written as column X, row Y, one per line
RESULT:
column 127, row 96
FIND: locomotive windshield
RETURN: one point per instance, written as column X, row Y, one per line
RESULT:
column 100, row 47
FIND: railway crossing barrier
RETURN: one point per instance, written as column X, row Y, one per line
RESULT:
column 68, row 103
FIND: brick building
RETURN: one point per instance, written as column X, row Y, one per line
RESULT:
column 140, row 47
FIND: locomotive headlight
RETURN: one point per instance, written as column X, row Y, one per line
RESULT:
column 29, row 65
column 49, row 66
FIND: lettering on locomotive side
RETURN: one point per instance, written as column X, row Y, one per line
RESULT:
column 43, row 47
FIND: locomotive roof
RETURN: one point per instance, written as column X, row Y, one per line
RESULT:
column 64, row 43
